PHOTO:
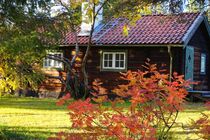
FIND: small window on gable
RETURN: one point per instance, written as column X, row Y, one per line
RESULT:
column 51, row 63
column 203, row 64
column 114, row 61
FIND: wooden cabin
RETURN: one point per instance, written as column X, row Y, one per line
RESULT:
column 181, row 41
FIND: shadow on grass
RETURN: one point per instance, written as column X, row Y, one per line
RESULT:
column 30, row 103
column 29, row 133
column 32, row 128
column 23, row 135
column 38, row 133
column 41, row 133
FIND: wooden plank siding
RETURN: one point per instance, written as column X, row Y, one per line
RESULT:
column 136, row 57
column 201, row 43
column 50, row 84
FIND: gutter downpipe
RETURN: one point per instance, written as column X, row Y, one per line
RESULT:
column 171, row 63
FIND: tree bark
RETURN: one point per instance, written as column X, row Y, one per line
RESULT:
column 84, row 62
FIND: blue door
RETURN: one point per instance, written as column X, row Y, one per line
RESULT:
column 189, row 63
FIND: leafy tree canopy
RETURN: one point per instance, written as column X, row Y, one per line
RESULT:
column 21, row 48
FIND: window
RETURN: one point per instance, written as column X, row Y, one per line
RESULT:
column 203, row 63
column 114, row 61
column 51, row 63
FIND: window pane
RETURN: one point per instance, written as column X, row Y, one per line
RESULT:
column 203, row 63
column 105, row 64
column 110, row 56
column 50, row 63
column 117, row 64
column 121, row 64
column 105, row 56
column 122, row 57
column 110, row 63
column 54, row 63
column 117, row 57
column 45, row 62
column 59, row 64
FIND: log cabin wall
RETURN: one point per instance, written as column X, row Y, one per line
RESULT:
column 136, row 57
column 51, row 87
column 201, row 43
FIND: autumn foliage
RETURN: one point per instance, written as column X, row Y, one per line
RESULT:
column 146, row 107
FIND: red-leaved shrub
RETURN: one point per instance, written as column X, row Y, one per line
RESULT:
column 145, row 108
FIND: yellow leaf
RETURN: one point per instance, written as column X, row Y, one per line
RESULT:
column 125, row 30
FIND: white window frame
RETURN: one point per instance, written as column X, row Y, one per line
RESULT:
column 113, row 67
column 203, row 63
column 52, row 61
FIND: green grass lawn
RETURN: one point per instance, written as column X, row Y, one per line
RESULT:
column 32, row 118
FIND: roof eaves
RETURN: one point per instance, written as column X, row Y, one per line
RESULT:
column 126, row 45
column 190, row 32
column 138, row 45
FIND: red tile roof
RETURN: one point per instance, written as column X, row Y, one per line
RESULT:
column 152, row 29
column 70, row 39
